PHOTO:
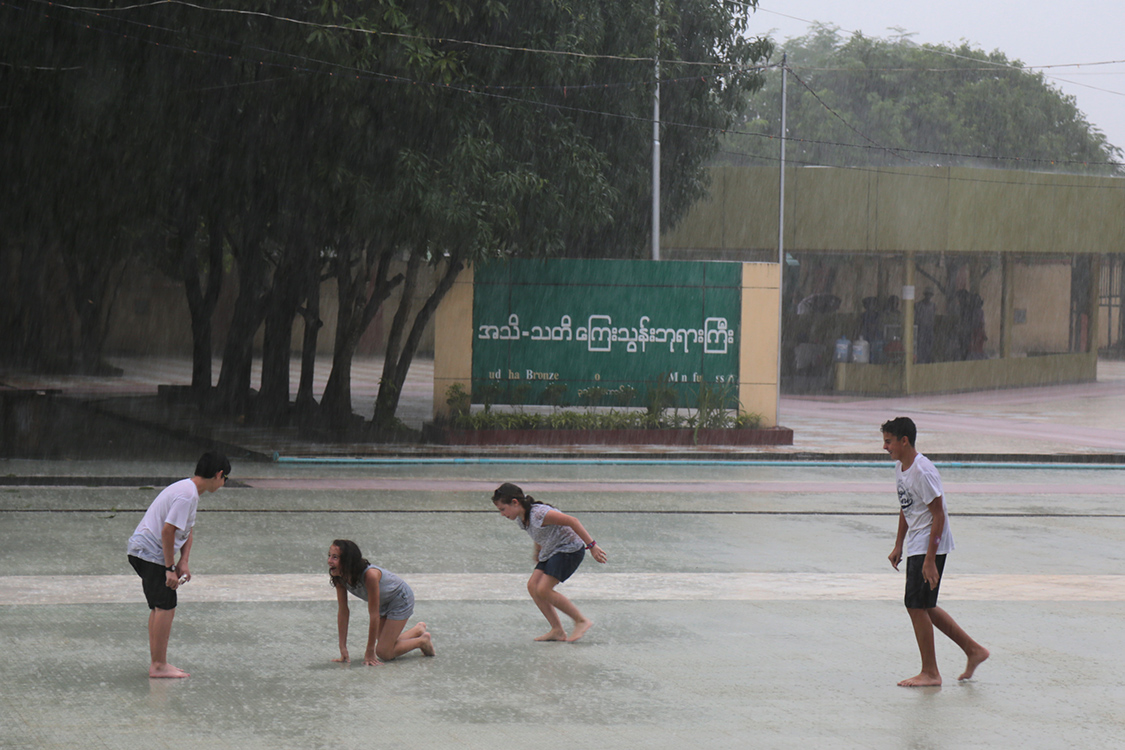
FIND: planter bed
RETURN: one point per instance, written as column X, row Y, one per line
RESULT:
column 765, row 436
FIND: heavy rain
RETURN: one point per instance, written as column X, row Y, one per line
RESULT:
column 666, row 270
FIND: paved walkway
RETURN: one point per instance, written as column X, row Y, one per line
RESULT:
column 743, row 606
column 1077, row 421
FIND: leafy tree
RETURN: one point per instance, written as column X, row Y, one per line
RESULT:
column 379, row 141
column 69, row 226
column 535, row 143
column 865, row 101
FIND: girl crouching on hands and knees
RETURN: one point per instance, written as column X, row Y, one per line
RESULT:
column 390, row 602
column 560, row 544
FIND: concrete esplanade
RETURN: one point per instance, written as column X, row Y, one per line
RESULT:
column 747, row 600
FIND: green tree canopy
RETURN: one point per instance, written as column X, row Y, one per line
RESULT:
column 371, row 140
column 863, row 101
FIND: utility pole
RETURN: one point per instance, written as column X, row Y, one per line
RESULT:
column 656, row 144
column 781, row 236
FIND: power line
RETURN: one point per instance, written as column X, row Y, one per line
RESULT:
column 994, row 65
column 834, row 113
column 489, row 90
column 372, row 32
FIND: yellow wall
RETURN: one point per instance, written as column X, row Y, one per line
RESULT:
column 151, row 316
column 758, row 348
column 972, row 375
column 453, row 341
column 1048, row 326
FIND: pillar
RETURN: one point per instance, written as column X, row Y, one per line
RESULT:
column 908, row 327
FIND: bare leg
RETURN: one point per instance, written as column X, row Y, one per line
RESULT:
column 539, row 586
column 159, row 631
column 393, row 643
column 974, row 652
column 924, row 634
column 542, row 589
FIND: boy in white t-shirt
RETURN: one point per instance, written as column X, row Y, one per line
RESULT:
column 923, row 527
column 165, row 530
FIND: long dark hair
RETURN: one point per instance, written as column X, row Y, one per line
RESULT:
column 508, row 492
column 352, row 563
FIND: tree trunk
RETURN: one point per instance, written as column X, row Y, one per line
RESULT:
column 356, row 311
column 233, row 390
column 394, row 375
column 202, row 300
column 386, row 401
column 93, row 286
column 272, row 406
column 306, row 401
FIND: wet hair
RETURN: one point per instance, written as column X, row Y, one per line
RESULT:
column 507, row 492
column 352, row 563
column 901, row 427
column 211, row 463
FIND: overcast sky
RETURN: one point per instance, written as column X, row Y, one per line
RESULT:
column 1035, row 32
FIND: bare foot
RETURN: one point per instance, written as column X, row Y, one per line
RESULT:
column 415, row 631
column 427, row 646
column 580, row 629
column 922, row 680
column 165, row 670
column 554, row 635
column 975, row 660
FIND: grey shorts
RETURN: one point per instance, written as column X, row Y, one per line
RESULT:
column 401, row 605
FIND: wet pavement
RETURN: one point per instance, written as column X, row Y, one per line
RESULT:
column 742, row 606
column 747, row 602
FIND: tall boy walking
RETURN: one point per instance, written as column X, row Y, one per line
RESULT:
column 923, row 527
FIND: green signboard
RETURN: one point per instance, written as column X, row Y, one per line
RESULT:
column 605, row 332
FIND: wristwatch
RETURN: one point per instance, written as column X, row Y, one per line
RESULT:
column 170, row 568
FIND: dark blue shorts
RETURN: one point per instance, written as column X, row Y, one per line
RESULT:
column 157, row 593
column 562, row 565
column 919, row 595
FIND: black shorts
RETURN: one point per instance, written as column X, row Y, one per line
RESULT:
column 562, row 565
column 919, row 595
column 153, row 579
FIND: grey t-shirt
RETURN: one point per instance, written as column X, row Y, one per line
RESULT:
column 389, row 587
column 551, row 539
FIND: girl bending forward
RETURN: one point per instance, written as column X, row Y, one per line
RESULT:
column 390, row 602
column 560, row 544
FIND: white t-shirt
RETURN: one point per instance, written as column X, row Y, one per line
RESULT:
column 919, row 486
column 175, row 505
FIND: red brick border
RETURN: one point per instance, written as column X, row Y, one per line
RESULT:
column 766, row 436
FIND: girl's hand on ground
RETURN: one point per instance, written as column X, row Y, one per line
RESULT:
column 598, row 553
column 371, row 661
column 343, row 658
